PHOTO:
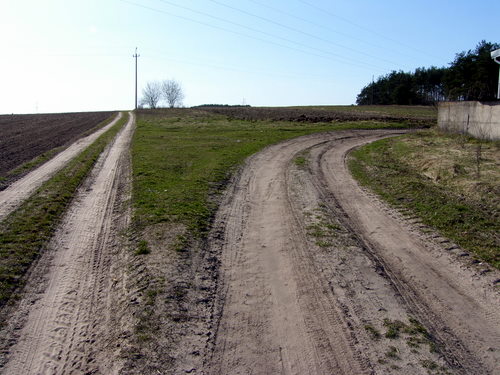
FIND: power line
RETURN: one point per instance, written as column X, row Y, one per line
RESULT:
column 268, row 34
column 135, row 56
column 356, row 63
column 362, row 27
column 233, row 69
column 71, row 55
column 326, row 27
column 300, row 31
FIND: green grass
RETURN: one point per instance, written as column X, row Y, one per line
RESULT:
column 142, row 248
column 393, row 328
column 181, row 160
column 300, row 161
column 434, row 177
column 374, row 333
column 25, row 233
column 323, row 243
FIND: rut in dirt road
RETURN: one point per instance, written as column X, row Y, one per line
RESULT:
column 459, row 307
column 65, row 324
column 314, row 271
column 19, row 191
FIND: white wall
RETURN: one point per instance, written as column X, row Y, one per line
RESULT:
column 473, row 118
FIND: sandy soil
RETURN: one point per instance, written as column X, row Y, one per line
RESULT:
column 303, row 272
column 17, row 192
column 66, row 313
column 314, row 272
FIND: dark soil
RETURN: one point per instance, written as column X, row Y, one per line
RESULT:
column 311, row 115
column 24, row 137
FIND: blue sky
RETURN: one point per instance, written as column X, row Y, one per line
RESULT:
column 72, row 55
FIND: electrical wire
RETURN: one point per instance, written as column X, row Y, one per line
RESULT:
column 359, row 64
column 347, row 60
column 371, row 44
column 301, row 32
column 71, row 55
column 363, row 27
column 233, row 69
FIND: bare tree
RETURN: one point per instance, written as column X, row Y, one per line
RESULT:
column 172, row 92
column 151, row 94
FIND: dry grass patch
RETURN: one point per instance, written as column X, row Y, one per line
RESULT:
column 451, row 182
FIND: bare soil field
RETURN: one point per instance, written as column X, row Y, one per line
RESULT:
column 20, row 190
column 25, row 137
column 322, row 114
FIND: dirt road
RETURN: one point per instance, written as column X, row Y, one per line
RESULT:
column 316, row 276
column 319, row 277
column 16, row 193
column 66, row 311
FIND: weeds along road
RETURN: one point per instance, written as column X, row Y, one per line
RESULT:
column 19, row 191
column 318, row 277
column 65, row 324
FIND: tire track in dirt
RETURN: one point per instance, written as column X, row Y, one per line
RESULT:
column 65, row 325
column 455, row 304
column 15, row 194
column 289, row 303
column 264, row 328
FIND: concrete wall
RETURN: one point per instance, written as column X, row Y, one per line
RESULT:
column 481, row 120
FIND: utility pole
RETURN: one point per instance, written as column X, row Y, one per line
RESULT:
column 136, row 56
column 371, row 101
column 495, row 55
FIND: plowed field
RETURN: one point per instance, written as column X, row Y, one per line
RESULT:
column 25, row 137
column 420, row 117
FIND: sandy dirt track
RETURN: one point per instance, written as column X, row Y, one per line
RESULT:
column 17, row 192
column 67, row 321
column 306, row 266
column 312, row 267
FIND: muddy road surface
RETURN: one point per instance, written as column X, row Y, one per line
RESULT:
column 20, row 190
column 319, row 277
column 65, row 314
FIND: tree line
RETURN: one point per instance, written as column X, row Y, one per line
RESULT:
column 170, row 91
column 473, row 75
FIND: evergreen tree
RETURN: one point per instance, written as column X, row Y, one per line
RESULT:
column 473, row 75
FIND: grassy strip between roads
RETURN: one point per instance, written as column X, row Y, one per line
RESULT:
column 451, row 182
column 25, row 232
column 180, row 162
